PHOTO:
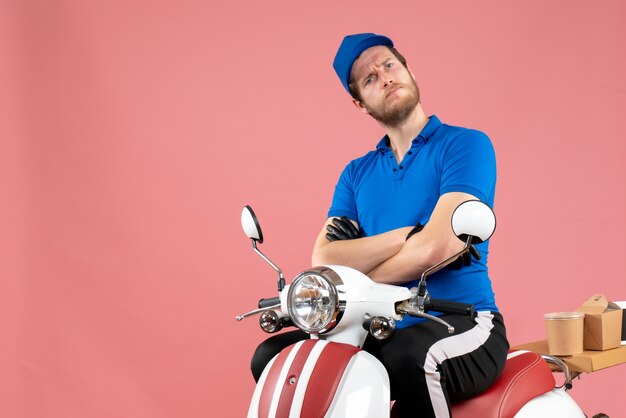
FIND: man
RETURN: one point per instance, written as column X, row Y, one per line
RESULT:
column 419, row 173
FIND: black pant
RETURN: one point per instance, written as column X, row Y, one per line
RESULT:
column 428, row 367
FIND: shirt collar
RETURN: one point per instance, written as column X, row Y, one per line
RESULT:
column 427, row 132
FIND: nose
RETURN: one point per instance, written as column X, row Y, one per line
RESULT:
column 387, row 81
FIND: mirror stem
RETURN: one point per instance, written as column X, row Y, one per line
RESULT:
column 447, row 261
column 281, row 278
column 420, row 295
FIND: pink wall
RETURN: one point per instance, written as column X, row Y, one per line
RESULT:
column 133, row 132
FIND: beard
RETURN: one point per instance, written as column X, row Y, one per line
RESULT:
column 399, row 110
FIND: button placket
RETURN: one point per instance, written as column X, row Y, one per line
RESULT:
column 392, row 161
column 411, row 154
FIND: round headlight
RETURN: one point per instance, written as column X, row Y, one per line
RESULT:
column 313, row 301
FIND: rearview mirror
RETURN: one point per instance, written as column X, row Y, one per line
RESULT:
column 250, row 224
column 251, row 227
column 473, row 218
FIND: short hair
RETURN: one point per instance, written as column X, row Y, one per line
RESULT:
column 354, row 89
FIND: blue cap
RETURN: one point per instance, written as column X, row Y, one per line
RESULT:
column 351, row 47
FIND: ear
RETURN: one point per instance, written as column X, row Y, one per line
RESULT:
column 360, row 106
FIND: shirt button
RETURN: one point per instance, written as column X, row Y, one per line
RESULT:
column 394, row 169
column 400, row 167
column 410, row 152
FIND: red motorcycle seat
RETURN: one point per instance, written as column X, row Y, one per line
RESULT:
column 525, row 376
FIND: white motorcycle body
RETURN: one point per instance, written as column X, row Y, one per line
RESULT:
column 556, row 403
column 330, row 376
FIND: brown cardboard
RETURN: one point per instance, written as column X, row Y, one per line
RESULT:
column 622, row 304
column 603, row 323
column 587, row 361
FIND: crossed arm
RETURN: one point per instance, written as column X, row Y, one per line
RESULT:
column 387, row 257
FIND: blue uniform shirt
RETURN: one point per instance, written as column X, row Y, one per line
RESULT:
column 382, row 195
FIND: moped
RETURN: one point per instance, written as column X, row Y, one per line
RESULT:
column 330, row 376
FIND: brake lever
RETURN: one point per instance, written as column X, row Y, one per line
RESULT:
column 256, row 311
column 406, row 308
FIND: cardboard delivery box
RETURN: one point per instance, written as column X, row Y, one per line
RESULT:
column 622, row 304
column 603, row 323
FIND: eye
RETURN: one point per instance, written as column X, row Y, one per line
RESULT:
column 389, row 65
column 369, row 79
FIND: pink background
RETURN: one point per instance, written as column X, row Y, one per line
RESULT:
column 132, row 133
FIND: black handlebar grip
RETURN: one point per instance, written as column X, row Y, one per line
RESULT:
column 446, row 306
column 266, row 303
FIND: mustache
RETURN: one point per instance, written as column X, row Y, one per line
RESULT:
column 394, row 88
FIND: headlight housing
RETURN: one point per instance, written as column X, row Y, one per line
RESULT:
column 313, row 300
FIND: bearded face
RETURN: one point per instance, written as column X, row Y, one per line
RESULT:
column 395, row 108
column 385, row 87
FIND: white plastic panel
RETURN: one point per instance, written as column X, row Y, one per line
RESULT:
column 363, row 391
column 554, row 404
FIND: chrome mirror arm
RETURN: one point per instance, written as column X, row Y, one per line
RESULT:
column 281, row 278
column 419, row 297
column 447, row 261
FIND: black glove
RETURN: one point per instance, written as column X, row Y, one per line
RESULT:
column 341, row 228
column 417, row 228
column 466, row 259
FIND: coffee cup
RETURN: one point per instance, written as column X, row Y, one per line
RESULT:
column 565, row 332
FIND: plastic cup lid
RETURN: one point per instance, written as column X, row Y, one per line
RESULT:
column 563, row 316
